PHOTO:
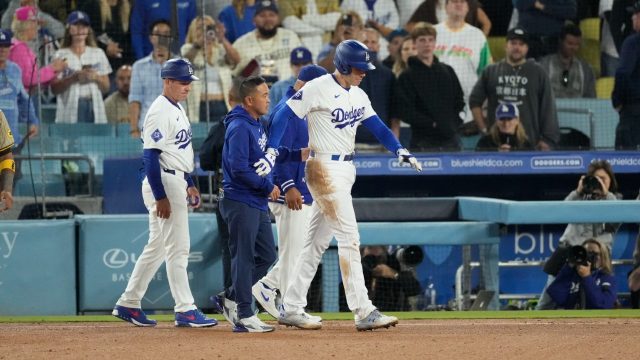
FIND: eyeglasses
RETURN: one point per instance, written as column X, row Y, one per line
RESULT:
column 565, row 78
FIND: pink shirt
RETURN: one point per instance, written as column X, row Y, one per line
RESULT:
column 22, row 55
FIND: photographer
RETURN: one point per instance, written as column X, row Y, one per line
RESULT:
column 389, row 278
column 598, row 184
column 586, row 281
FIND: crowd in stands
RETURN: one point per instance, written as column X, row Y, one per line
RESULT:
column 440, row 66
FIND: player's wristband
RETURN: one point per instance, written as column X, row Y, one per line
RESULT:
column 8, row 164
column 190, row 182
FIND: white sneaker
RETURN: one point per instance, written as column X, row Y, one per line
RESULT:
column 266, row 296
column 252, row 324
column 376, row 320
column 301, row 321
column 314, row 318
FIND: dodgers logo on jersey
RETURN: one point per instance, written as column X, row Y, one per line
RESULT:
column 183, row 138
column 297, row 96
column 347, row 118
column 156, row 135
column 262, row 141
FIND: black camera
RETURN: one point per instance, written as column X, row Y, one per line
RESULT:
column 409, row 257
column 591, row 188
column 574, row 255
column 578, row 255
column 211, row 32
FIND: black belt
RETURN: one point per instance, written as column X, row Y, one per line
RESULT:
column 173, row 172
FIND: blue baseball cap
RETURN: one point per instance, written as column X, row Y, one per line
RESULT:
column 264, row 5
column 506, row 111
column 311, row 72
column 78, row 17
column 5, row 37
column 301, row 55
column 397, row 32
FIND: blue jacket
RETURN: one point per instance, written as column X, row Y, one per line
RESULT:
column 14, row 100
column 599, row 288
column 234, row 25
column 145, row 12
column 296, row 136
column 626, row 90
column 244, row 144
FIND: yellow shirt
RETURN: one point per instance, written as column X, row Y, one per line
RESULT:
column 6, row 137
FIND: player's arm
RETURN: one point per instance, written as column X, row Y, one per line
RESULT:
column 278, row 127
column 7, row 170
column 386, row 138
column 151, row 159
column 238, row 159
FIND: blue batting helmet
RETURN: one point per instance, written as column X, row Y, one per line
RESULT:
column 352, row 54
column 178, row 69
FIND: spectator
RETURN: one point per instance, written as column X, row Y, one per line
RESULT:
column 430, row 96
column 117, row 104
column 111, row 28
column 348, row 27
column 620, row 23
column 49, row 25
column 505, row 134
column 79, row 89
column 589, row 285
column 523, row 83
column 626, row 91
column 146, row 12
column 221, row 57
column 310, row 20
column 269, row 44
column 381, row 15
column 299, row 57
column 570, row 76
column 395, row 39
column 238, row 18
column 390, row 283
column 146, row 84
column 463, row 47
column 609, row 57
column 543, row 21
column 378, row 85
column 406, row 50
column 576, row 234
column 13, row 97
column 25, row 29
column 434, row 12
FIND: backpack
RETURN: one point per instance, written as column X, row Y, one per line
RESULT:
column 211, row 150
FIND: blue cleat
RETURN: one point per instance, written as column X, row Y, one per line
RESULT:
column 194, row 318
column 133, row 315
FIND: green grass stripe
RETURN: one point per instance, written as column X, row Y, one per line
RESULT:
column 417, row 315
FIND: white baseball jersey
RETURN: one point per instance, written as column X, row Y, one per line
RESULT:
column 333, row 113
column 166, row 128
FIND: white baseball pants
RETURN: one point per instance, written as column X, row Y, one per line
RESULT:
column 168, row 241
column 330, row 183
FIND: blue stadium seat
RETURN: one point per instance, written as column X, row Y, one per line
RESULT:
column 54, row 185
column 469, row 142
column 605, row 119
column 100, row 147
column 72, row 131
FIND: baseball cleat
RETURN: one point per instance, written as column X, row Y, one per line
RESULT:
column 252, row 324
column 194, row 318
column 133, row 315
column 266, row 296
column 301, row 321
column 376, row 320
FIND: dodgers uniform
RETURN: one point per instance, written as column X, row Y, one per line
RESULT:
column 166, row 128
column 333, row 114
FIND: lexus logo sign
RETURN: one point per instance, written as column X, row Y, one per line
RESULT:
column 115, row 258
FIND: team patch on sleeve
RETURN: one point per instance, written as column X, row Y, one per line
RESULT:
column 156, row 135
column 297, row 96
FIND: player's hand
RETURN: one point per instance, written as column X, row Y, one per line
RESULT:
column 583, row 270
column 293, row 199
column 404, row 156
column 7, row 199
column 265, row 164
column 193, row 197
column 163, row 208
column 275, row 193
column 384, row 271
column 304, row 153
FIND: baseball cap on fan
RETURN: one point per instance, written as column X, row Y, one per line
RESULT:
column 78, row 17
column 507, row 111
column 263, row 5
column 518, row 33
column 26, row 13
column 5, row 38
column 300, row 56
column 634, row 8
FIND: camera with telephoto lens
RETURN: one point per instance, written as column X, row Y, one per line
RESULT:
column 591, row 188
column 409, row 257
column 211, row 32
column 578, row 255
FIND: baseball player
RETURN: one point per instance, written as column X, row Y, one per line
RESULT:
column 7, row 164
column 168, row 161
column 334, row 107
column 293, row 207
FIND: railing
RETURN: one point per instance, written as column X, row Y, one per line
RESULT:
column 61, row 156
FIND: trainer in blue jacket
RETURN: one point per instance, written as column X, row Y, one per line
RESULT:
column 588, row 287
column 292, row 210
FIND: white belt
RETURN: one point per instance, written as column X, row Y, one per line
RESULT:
column 329, row 156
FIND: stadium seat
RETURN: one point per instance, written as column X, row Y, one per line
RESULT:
column 604, row 87
column 48, row 113
column 469, row 142
column 100, row 147
column 200, row 130
column 590, row 52
column 123, row 130
column 73, row 131
column 54, row 186
column 590, row 28
column 496, row 45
